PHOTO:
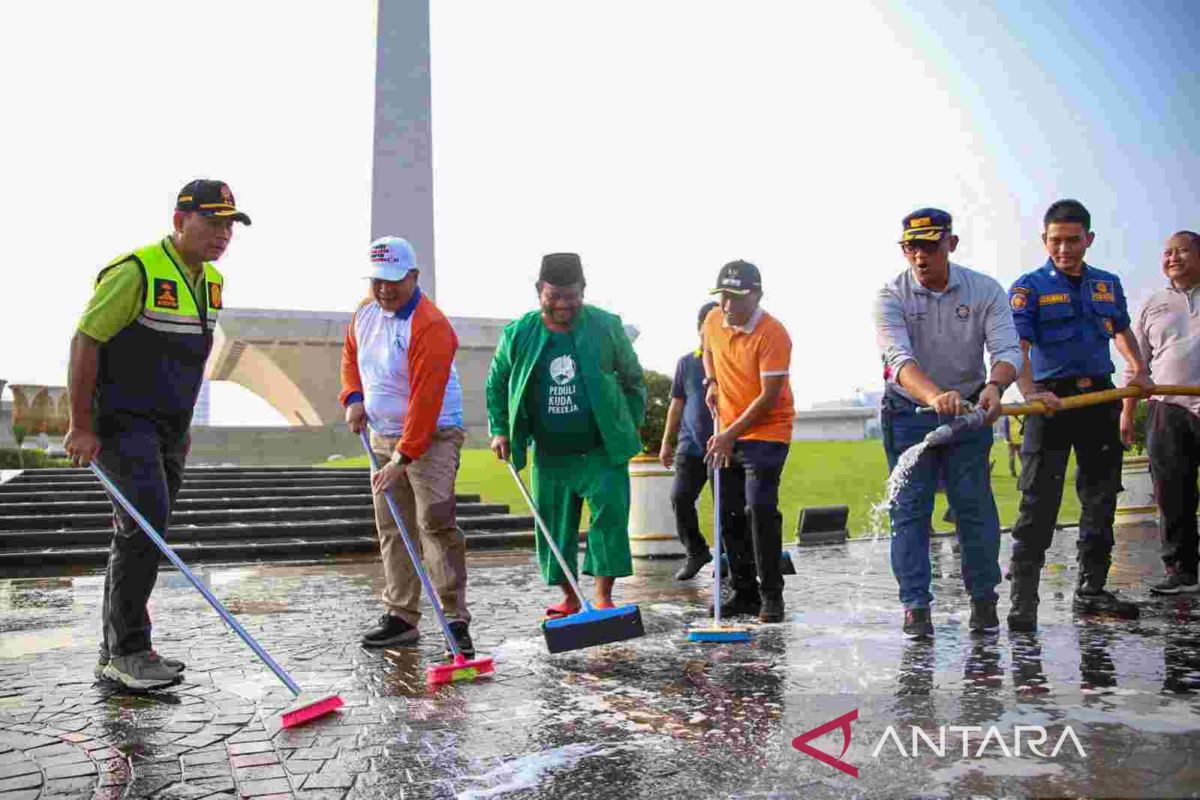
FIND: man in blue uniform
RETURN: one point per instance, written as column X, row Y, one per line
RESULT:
column 1066, row 313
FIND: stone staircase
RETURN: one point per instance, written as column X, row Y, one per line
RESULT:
column 63, row 517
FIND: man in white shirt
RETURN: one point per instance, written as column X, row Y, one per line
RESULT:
column 398, row 377
column 1167, row 329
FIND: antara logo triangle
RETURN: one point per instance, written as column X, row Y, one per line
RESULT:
column 801, row 743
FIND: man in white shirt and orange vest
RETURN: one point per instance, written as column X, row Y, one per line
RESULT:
column 398, row 378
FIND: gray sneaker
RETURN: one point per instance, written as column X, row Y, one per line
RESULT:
column 140, row 671
column 169, row 663
column 1176, row 583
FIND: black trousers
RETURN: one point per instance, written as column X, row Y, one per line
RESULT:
column 691, row 474
column 1094, row 432
column 751, row 482
column 1173, row 444
column 145, row 460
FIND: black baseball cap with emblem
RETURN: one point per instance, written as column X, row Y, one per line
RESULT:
column 738, row 277
column 926, row 225
column 210, row 199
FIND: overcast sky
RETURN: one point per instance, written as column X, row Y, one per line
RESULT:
column 657, row 139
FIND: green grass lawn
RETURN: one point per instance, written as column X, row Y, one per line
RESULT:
column 817, row 474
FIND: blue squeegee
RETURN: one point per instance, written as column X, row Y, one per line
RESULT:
column 589, row 626
column 717, row 632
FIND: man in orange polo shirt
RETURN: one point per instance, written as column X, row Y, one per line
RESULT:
column 747, row 355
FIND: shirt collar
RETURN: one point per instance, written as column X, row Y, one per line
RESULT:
column 750, row 325
column 953, row 279
column 405, row 311
column 169, row 246
column 1054, row 272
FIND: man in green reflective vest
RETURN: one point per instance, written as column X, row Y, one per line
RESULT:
column 137, row 360
column 566, row 378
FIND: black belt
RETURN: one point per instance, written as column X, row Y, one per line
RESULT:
column 1078, row 385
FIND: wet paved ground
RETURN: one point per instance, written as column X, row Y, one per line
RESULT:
column 656, row 718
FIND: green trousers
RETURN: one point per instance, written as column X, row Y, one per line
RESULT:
column 561, row 484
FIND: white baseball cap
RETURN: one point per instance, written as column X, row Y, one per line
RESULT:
column 391, row 259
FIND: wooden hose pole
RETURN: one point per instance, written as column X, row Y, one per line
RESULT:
column 1096, row 398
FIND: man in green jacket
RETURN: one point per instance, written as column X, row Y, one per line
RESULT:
column 566, row 377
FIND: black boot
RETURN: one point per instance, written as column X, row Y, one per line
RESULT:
column 738, row 602
column 1022, row 616
column 1091, row 596
column 983, row 617
column 692, row 565
column 772, row 608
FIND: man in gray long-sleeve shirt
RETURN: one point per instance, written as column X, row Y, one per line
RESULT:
column 932, row 324
column 1167, row 330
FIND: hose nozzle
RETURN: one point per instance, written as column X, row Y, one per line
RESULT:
column 944, row 434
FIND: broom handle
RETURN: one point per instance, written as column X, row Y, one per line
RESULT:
column 187, row 573
column 418, row 565
column 546, row 535
column 717, row 534
column 1095, row 398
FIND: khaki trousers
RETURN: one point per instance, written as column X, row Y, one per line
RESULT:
column 425, row 497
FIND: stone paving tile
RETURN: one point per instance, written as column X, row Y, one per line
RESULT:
column 265, row 772
column 21, row 781
column 246, row 748
column 253, row 760
column 216, row 785
column 217, row 770
column 265, row 787
column 71, row 787
column 331, row 776
column 77, row 769
column 12, row 770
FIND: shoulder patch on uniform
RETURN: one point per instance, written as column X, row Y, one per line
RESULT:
column 1053, row 299
column 1103, row 292
column 1021, row 289
column 1017, row 300
column 214, row 295
column 166, row 293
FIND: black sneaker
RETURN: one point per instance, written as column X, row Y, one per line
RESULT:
column 1176, row 583
column 772, row 609
column 983, row 617
column 917, row 624
column 462, row 639
column 1099, row 601
column 390, row 630
column 740, row 602
column 692, row 565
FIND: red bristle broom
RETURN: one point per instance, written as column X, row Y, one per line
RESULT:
column 461, row 668
column 299, row 713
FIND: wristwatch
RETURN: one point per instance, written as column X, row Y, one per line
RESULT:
column 999, row 388
column 708, row 382
column 399, row 459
